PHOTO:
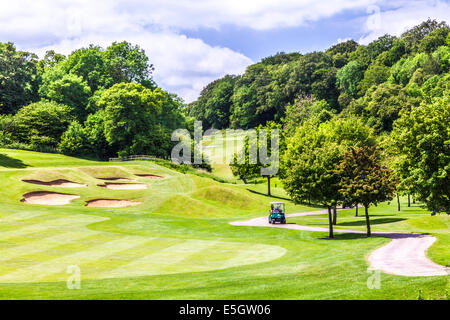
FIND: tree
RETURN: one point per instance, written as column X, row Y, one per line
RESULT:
column 420, row 141
column 414, row 36
column 213, row 107
column 50, row 60
column 69, row 90
column 243, row 166
column 41, row 124
column 364, row 180
column 373, row 76
column 312, row 154
column 128, row 63
column 131, row 114
column 349, row 76
column 18, row 80
column 308, row 165
column 384, row 103
column 73, row 141
column 304, row 108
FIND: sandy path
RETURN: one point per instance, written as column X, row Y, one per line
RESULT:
column 403, row 256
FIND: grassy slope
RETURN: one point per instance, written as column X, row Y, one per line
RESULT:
column 176, row 245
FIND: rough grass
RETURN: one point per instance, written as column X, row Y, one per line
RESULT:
column 178, row 243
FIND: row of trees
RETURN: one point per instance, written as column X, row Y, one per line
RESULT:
column 95, row 102
column 375, row 81
column 338, row 160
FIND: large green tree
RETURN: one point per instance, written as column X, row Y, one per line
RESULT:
column 18, row 78
column 421, row 142
column 41, row 124
column 70, row 90
column 131, row 114
column 308, row 165
column 260, row 154
column 364, row 180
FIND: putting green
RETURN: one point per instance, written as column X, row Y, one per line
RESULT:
column 40, row 248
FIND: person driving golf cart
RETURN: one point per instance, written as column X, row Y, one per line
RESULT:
column 277, row 213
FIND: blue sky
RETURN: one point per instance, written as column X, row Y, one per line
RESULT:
column 193, row 42
column 258, row 44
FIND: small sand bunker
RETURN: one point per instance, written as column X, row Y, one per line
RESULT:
column 111, row 203
column 149, row 176
column 48, row 198
column 57, row 183
column 114, row 179
column 123, row 186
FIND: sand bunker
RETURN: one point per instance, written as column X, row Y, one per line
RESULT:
column 123, row 186
column 57, row 183
column 149, row 176
column 111, row 203
column 48, row 198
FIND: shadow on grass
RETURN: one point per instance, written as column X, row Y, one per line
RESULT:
column 346, row 236
column 312, row 205
column 372, row 221
column 265, row 195
column 8, row 162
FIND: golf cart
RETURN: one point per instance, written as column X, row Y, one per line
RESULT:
column 277, row 213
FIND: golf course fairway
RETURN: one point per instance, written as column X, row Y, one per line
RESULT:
column 176, row 240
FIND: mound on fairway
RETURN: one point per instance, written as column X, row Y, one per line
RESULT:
column 123, row 186
column 48, row 198
column 111, row 203
column 149, row 176
column 56, row 183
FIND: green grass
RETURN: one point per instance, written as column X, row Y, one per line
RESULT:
column 178, row 244
column 386, row 218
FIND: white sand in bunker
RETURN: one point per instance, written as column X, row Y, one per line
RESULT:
column 123, row 186
column 149, row 176
column 111, row 203
column 57, row 183
column 48, row 198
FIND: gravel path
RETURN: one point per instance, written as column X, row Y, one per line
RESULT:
column 403, row 256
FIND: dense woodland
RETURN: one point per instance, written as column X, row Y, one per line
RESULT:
column 353, row 107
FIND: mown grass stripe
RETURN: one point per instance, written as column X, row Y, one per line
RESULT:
column 158, row 262
column 44, row 244
column 50, row 268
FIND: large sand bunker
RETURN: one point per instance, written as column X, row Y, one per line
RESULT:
column 149, row 176
column 48, row 198
column 123, row 186
column 111, row 203
column 57, row 183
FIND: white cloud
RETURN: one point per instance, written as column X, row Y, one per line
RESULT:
column 402, row 17
column 183, row 65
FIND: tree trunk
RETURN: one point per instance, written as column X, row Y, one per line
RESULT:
column 409, row 201
column 398, row 202
column 330, row 222
column 334, row 216
column 268, row 186
column 414, row 201
column 356, row 210
column 367, row 221
column 244, row 179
